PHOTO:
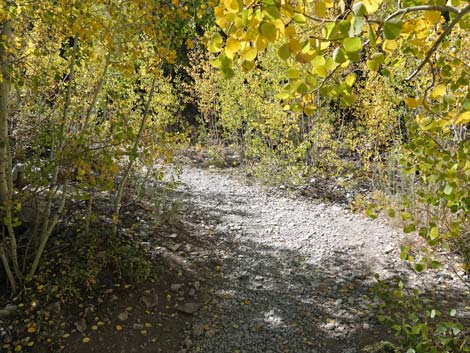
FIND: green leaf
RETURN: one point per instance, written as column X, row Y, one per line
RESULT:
column 293, row 73
column 299, row 18
column 355, row 56
column 346, row 101
column 352, row 45
column 434, row 233
column 227, row 72
column 339, row 56
column 378, row 57
column 409, row 228
column 357, row 26
column 448, row 189
column 350, row 79
column 372, row 65
column 453, row 312
column 268, row 3
column 344, row 27
column 392, row 29
column 284, row 52
column 269, row 31
column 359, row 9
column 303, row 88
column 370, row 212
column 404, row 252
column 419, row 267
column 215, row 43
column 272, row 12
column 284, row 95
column 372, row 37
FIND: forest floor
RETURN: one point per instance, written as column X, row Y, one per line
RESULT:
column 239, row 267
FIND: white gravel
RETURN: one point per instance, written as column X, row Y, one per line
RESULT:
column 295, row 274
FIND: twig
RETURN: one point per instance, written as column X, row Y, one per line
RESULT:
column 404, row 11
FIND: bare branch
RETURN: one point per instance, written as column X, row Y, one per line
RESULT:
column 404, row 11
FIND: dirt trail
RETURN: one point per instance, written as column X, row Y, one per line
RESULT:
column 285, row 274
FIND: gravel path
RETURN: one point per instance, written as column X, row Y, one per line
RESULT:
column 292, row 275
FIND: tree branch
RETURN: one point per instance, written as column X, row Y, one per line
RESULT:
column 437, row 43
column 404, row 11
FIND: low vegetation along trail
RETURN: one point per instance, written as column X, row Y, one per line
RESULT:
column 285, row 274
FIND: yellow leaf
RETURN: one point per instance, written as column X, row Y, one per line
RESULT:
column 389, row 45
column 432, row 16
column 295, row 45
column 189, row 44
column 32, row 329
column 309, row 109
column 438, row 91
column 232, row 45
column 249, row 54
column 260, row 43
column 371, row 5
column 232, row 6
column 412, row 102
column 293, row 73
column 118, row 328
column 320, row 9
column 86, row 339
column 463, row 118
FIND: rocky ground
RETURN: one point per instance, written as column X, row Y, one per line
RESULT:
column 238, row 267
column 287, row 274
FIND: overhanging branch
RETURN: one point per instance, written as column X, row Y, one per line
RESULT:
column 439, row 40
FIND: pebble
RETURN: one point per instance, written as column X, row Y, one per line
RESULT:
column 189, row 308
column 81, row 325
column 8, row 311
column 176, row 287
column 330, row 326
column 150, row 300
column 123, row 316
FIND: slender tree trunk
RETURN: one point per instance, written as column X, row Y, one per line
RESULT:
column 50, row 219
column 97, row 92
column 130, row 164
column 6, row 266
column 6, row 178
